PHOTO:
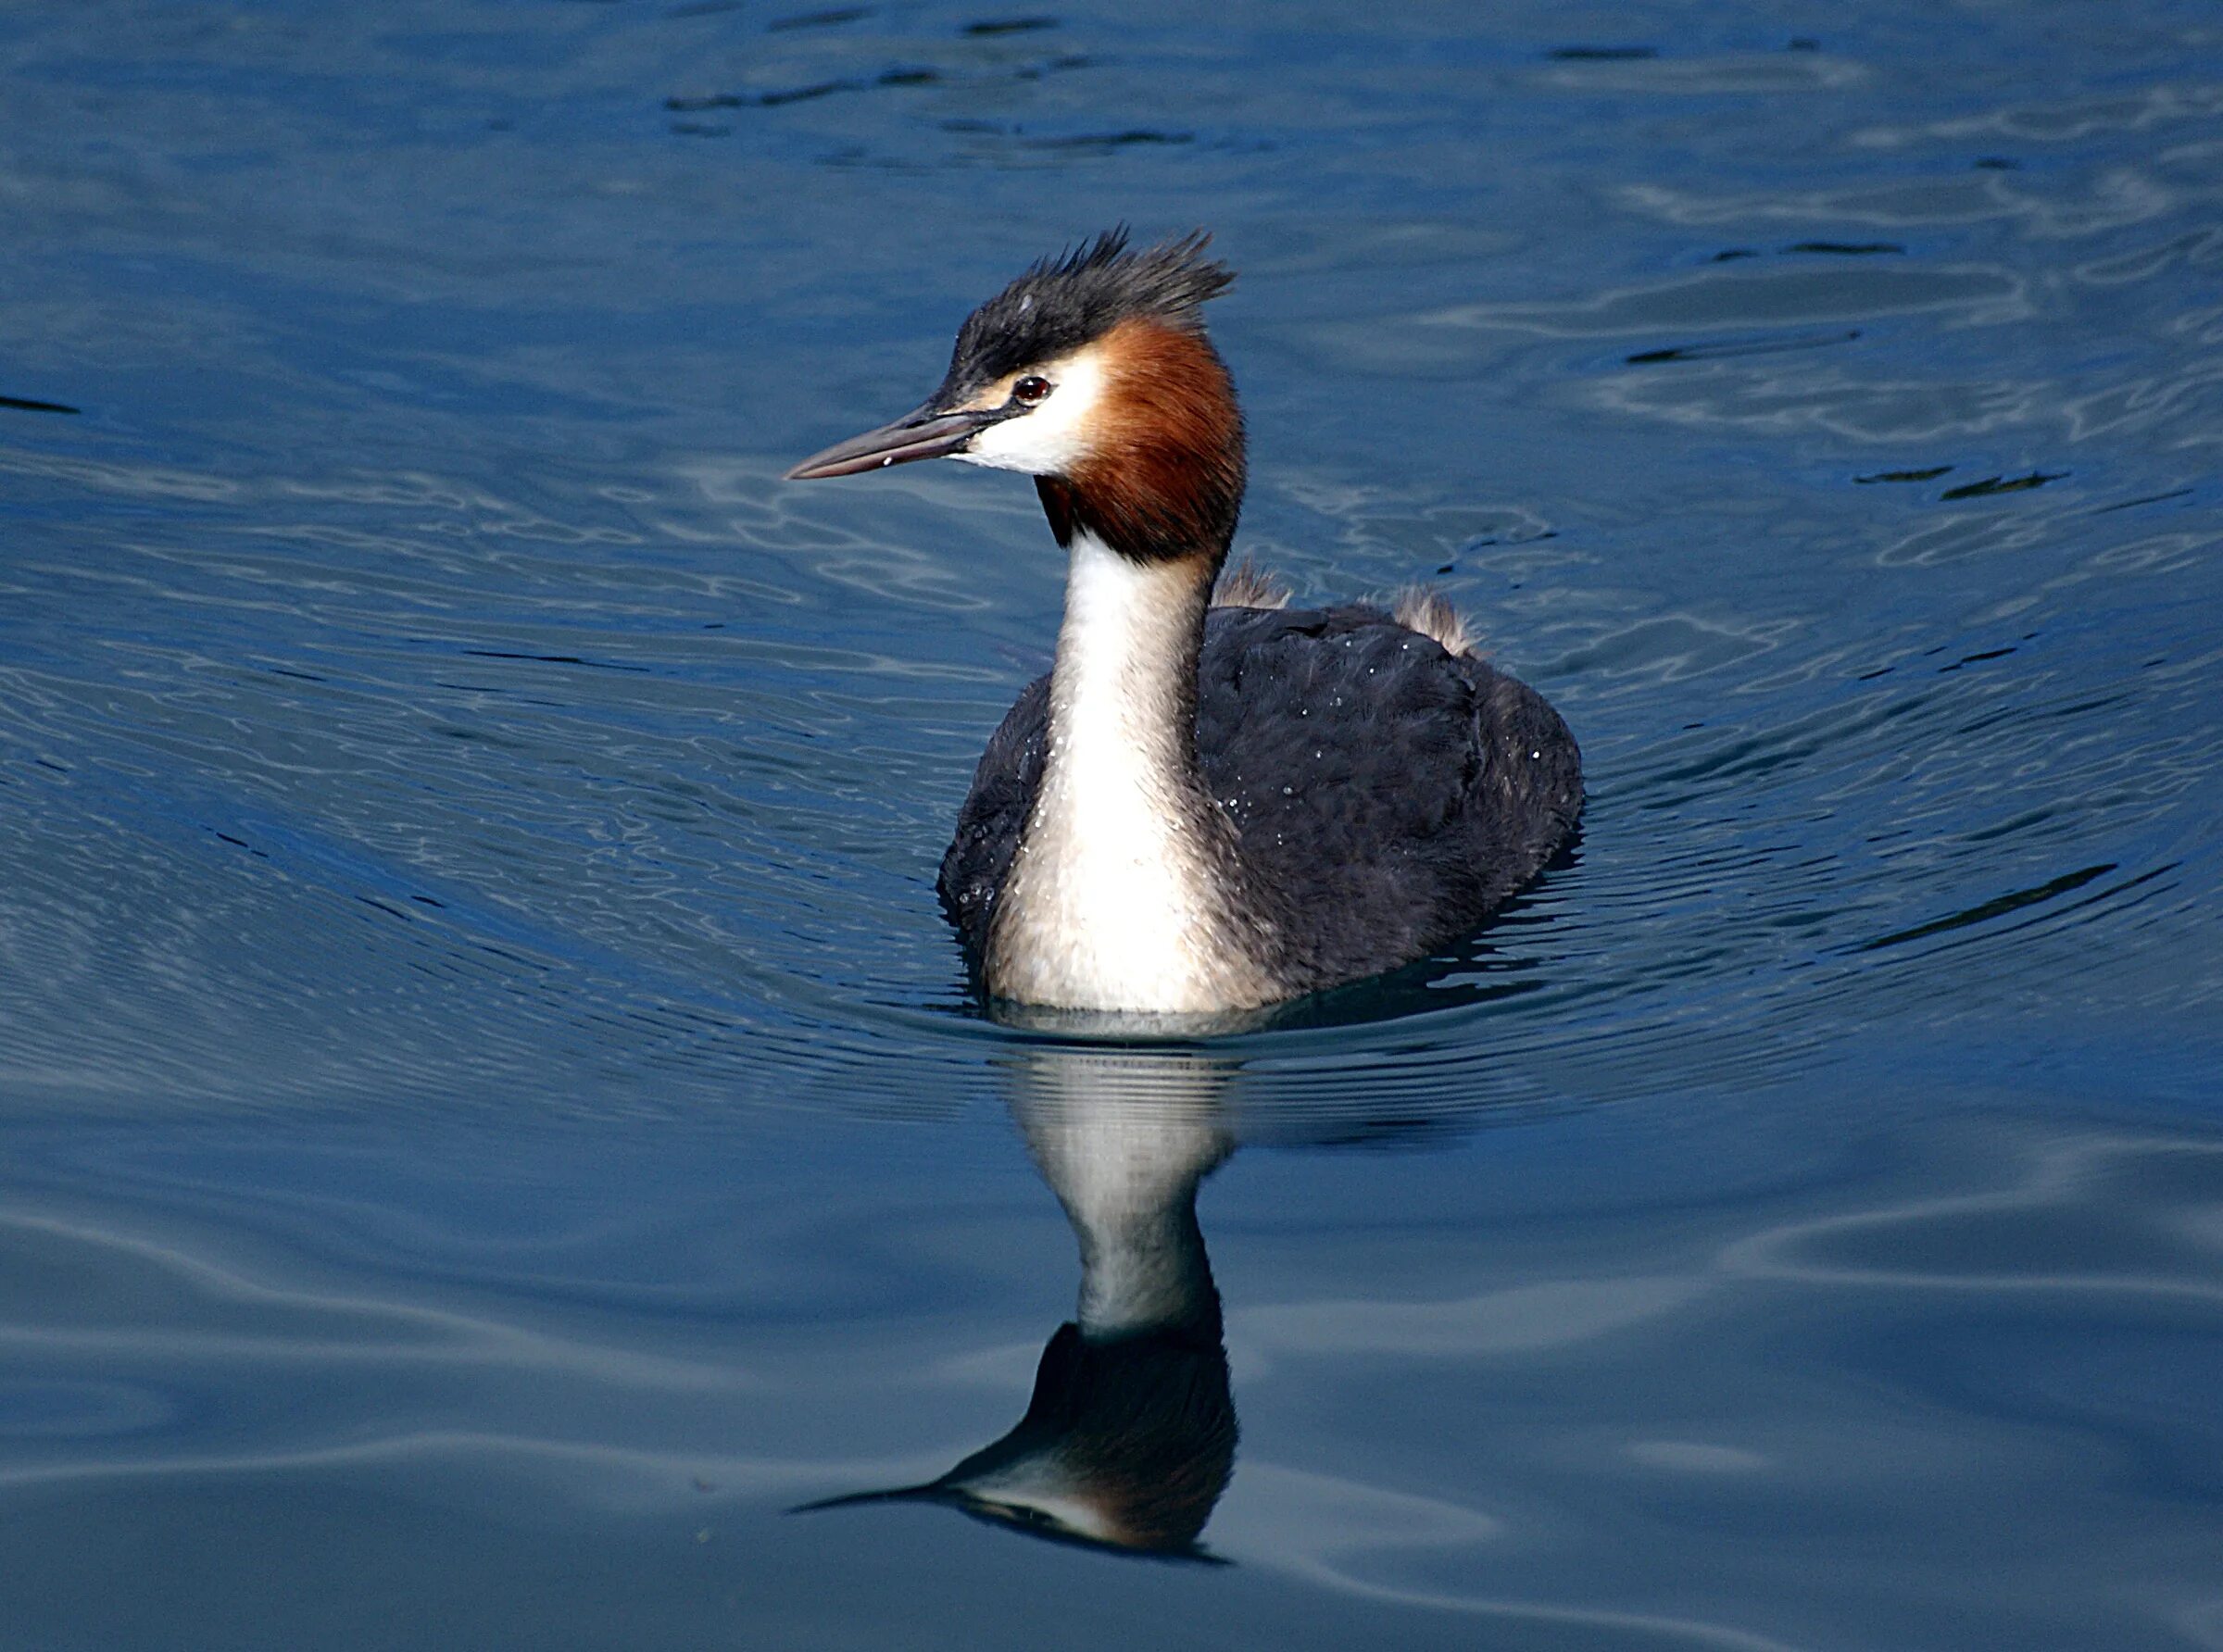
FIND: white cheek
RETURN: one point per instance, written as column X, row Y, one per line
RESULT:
column 1050, row 439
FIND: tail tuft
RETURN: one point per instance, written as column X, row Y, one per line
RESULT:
column 1246, row 586
column 1431, row 614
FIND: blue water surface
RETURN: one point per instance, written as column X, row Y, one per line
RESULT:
column 492, row 1118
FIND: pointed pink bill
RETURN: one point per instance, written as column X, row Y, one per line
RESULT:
column 919, row 434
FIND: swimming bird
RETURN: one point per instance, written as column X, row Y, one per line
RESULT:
column 1206, row 806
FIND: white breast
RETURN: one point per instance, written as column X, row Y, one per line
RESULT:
column 1110, row 903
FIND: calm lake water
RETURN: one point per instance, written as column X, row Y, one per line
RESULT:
column 492, row 1119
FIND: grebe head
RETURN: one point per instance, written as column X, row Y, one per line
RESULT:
column 1092, row 374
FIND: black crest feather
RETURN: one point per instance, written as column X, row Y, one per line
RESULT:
column 1062, row 303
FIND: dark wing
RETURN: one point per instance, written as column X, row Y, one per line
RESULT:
column 1394, row 795
column 1390, row 795
column 988, row 826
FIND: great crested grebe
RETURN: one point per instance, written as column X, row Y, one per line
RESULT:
column 1206, row 805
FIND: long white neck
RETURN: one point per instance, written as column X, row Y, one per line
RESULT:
column 1118, row 897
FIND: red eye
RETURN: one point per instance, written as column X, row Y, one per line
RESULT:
column 1031, row 389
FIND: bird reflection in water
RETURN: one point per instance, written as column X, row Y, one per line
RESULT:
column 1129, row 1438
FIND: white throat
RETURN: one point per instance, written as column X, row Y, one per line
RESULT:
column 1111, row 902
